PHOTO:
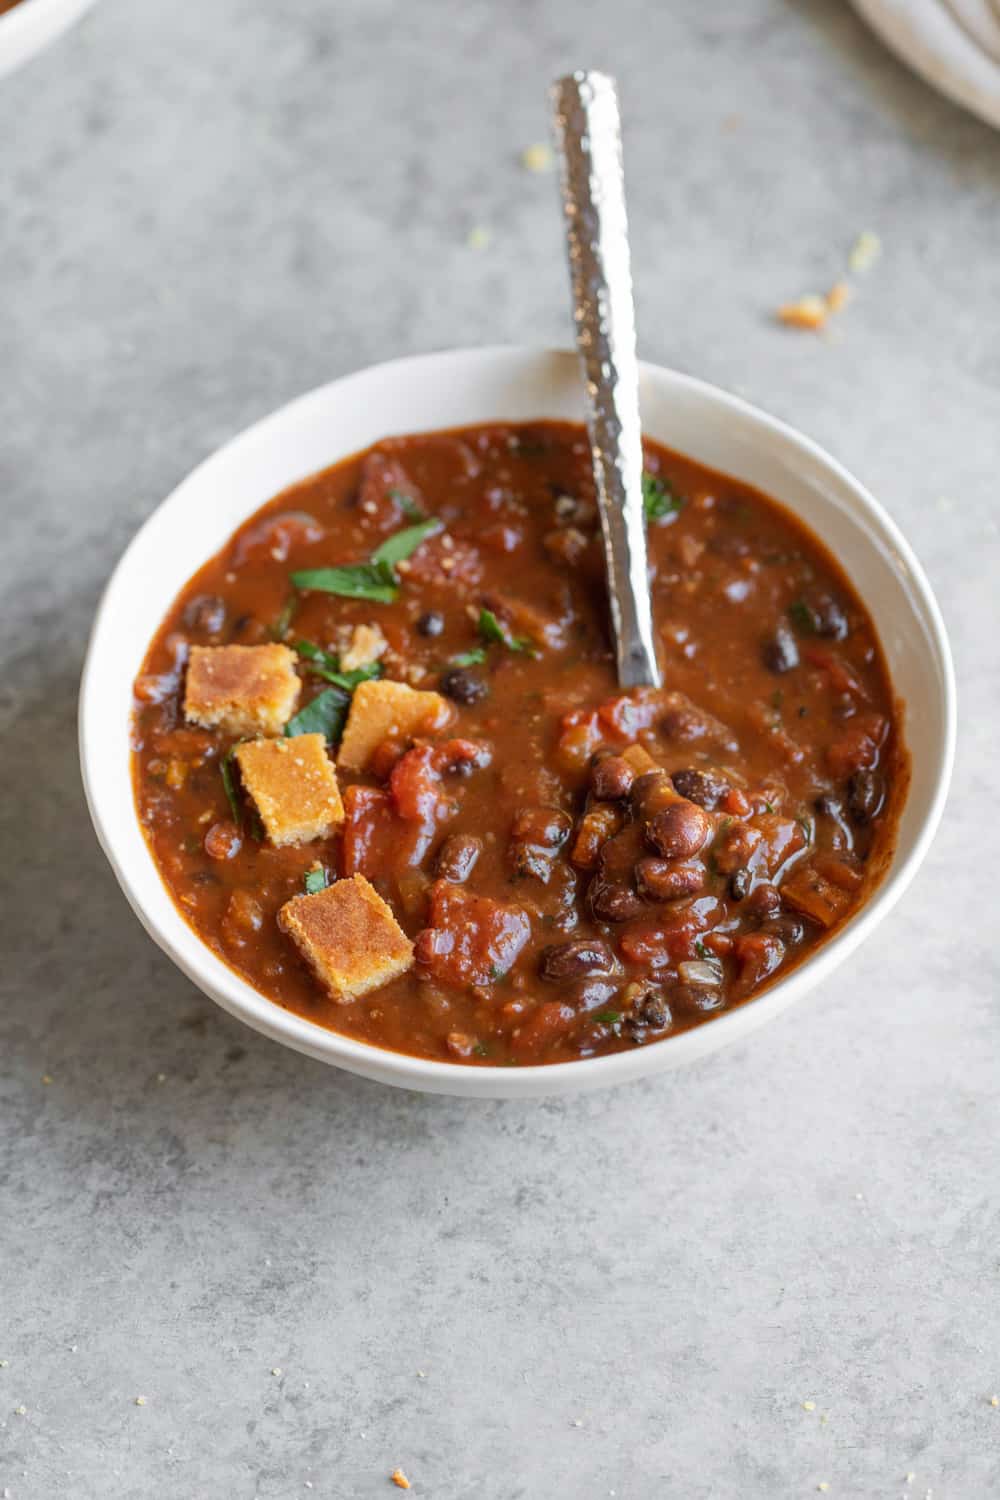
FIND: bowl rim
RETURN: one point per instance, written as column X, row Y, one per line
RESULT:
column 239, row 998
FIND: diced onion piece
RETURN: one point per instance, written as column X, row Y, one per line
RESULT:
column 698, row 971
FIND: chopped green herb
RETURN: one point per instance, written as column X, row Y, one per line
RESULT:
column 769, row 807
column 374, row 581
column 279, row 629
column 315, row 880
column 324, row 715
column 400, row 545
column 471, row 658
column 328, row 667
column 406, row 503
column 702, row 951
column 491, row 630
column 608, row 1017
column 229, row 784
column 659, row 500
column 497, row 971
column 481, row 1050
column 802, row 617
column 806, row 827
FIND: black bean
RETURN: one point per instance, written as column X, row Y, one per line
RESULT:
column 206, row 613
column 764, row 902
column 649, row 1011
column 781, row 652
column 669, row 879
column 865, row 795
column 457, row 857
column 677, row 831
column 611, row 778
column 545, row 826
column 431, row 623
column 463, row 686
column 828, row 616
column 575, row 960
column 788, row 929
column 707, row 788
column 739, row 884
column 613, row 900
column 649, row 792
column 698, row 997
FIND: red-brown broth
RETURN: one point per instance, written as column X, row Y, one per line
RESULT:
column 730, row 569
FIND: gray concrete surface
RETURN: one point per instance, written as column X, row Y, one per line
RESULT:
column 204, row 210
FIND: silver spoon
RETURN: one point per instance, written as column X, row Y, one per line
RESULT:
column 588, row 136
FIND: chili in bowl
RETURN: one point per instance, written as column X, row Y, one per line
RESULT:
column 390, row 806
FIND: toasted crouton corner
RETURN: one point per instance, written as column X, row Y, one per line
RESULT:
column 246, row 690
column 383, row 710
column 349, row 936
column 366, row 646
column 293, row 786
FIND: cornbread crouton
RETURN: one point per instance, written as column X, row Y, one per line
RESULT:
column 382, row 710
column 349, row 936
column 293, row 786
column 241, row 689
column 367, row 645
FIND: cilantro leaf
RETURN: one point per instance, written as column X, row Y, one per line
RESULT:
column 325, row 715
column 802, row 617
column 322, row 664
column 373, row 580
column 403, row 543
column 314, row 880
column 471, row 658
column 608, row 1017
column 491, row 630
column 406, row 503
column 229, row 784
column 659, row 500
column 279, row 629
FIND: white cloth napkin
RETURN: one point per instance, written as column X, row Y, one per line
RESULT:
column 954, row 44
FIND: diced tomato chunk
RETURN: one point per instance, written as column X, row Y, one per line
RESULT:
column 736, row 802
column 812, row 894
column 858, row 747
column 842, row 679
column 659, row 942
column 781, row 838
column 444, row 559
column 377, row 842
column 470, row 939
column 542, row 1027
column 627, row 715
column 580, row 734
column 758, row 955
column 387, row 493
column 416, row 783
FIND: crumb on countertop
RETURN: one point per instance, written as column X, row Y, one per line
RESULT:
column 399, row 1479
column 537, row 157
column 865, row 252
column 813, row 311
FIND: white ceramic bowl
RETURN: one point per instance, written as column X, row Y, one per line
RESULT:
column 449, row 390
column 31, row 25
